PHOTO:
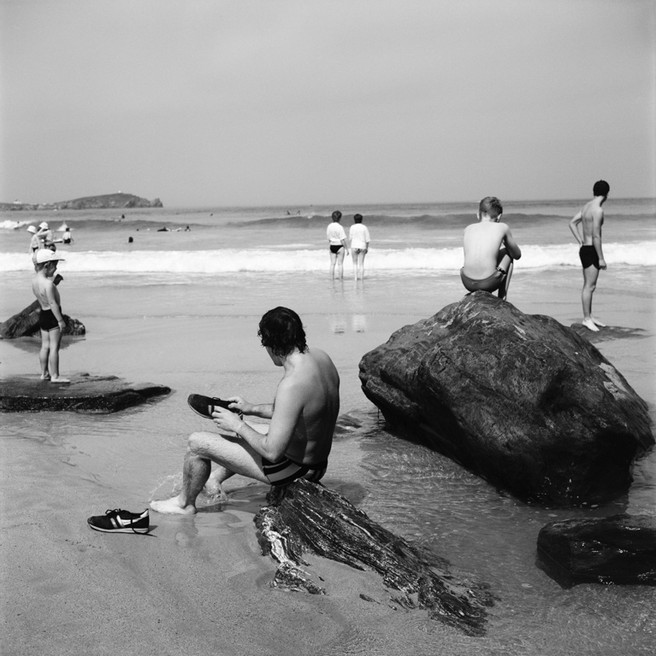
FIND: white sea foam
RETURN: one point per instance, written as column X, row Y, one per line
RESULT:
column 291, row 260
column 12, row 225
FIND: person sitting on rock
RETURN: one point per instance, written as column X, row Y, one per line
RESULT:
column 489, row 251
column 300, row 433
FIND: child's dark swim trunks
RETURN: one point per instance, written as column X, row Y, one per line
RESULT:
column 47, row 320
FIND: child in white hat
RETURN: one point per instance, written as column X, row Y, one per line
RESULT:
column 51, row 317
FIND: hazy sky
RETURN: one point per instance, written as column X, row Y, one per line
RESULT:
column 298, row 102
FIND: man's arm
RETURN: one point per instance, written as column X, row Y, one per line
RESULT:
column 597, row 220
column 287, row 411
column 574, row 227
column 54, row 305
column 511, row 245
column 263, row 410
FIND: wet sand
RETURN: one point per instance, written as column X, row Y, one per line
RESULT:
column 199, row 585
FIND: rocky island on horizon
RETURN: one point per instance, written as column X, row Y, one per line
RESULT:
column 118, row 200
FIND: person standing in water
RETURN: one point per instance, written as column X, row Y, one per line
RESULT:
column 489, row 251
column 51, row 318
column 35, row 241
column 359, row 238
column 586, row 228
column 337, row 244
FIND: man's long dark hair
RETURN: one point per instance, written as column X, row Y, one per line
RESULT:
column 282, row 331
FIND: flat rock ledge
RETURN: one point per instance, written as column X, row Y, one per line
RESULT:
column 85, row 393
column 307, row 517
column 620, row 549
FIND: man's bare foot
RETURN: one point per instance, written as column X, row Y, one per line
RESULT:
column 590, row 325
column 598, row 323
column 172, row 507
column 59, row 379
column 213, row 489
column 45, row 376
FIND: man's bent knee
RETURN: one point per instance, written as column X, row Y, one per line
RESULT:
column 197, row 442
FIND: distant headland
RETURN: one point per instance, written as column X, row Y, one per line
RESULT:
column 107, row 201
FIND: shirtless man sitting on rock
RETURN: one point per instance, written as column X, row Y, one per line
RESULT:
column 489, row 251
column 300, row 433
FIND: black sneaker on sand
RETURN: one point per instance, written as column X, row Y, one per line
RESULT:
column 205, row 405
column 120, row 521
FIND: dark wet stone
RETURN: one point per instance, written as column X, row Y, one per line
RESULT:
column 307, row 517
column 518, row 399
column 619, row 549
column 85, row 393
column 26, row 322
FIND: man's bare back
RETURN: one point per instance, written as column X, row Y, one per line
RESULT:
column 592, row 218
column 311, row 378
column 481, row 244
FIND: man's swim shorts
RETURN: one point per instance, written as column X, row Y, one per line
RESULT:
column 489, row 284
column 47, row 320
column 335, row 248
column 285, row 471
column 589, row 257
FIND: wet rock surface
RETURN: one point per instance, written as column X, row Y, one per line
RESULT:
column 85, row 393
column 620, row 549
column 307, row 517
column 518, row 399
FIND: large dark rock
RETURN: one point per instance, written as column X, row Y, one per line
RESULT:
column 85, row 393
column 26, row 324
column 306, row 517
column 618, row 549
column 519, row 399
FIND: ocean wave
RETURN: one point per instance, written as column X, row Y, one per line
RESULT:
column 267, row 260
column 12, row 225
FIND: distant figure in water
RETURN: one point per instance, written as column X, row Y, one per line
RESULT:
column 35, row 240
column 187, row 229
column 45, row 236
column 489, row 251
column 67, row 237
column 51, row 318
column 586, row 227
column 359, row 238
column 130, row 240
column 300, row 433
column 337, row 245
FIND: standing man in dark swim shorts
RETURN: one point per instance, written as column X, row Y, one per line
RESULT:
column 337, row 245
column 300, row 433
column 586, row 227
column 489, row 251
column 51, row 318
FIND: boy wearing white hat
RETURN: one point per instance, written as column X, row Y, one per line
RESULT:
column 51, row 318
